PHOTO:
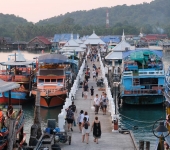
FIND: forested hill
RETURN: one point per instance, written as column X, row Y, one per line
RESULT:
column 8, row 23
column 156, row 12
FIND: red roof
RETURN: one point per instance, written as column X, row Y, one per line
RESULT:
column 43, row 39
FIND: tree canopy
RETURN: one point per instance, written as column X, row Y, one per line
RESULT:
column 153, row 17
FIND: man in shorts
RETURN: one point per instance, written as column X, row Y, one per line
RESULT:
column 73, row 108
column 70, row 118
column 104, row 103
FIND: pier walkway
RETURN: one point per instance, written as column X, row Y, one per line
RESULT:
column 109, row 140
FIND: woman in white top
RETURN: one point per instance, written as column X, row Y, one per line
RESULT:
column 94, row 74
column 85, row 130
column 96, row 103
column 80, row 119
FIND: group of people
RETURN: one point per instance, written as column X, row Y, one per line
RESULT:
column 101, row 102
column 83, row 123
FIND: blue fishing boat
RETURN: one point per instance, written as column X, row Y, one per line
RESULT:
column 167, row 85
column 19, row 70
column 143, row 77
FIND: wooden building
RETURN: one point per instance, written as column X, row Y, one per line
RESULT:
column 22, row 45
column 39, row 43
column 5, row 43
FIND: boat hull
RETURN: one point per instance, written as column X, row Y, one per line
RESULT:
column 16, row 98
column 143, row 99
column 52, row 101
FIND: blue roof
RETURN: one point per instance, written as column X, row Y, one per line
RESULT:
column 113, row 39
column 64, row 37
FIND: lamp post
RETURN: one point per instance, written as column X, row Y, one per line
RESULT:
column 160, row 130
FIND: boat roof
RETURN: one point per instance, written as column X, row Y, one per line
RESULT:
column 6, row 86
column 144, row 51
column 17, row 63
column 52, row 58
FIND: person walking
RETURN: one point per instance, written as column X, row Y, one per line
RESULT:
column 85, row 130
column 80, row 119
column 69, row 118
column 86, row 89
column 96, row 128
column 96, row 104
column 104, row 103
column 86, row 115
column 92, row 92
column 94, row 74
column 73, row 108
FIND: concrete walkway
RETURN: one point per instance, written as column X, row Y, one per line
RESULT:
column 109, row 140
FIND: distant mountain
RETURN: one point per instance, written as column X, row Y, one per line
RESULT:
column 8, row 23
column 156, row 12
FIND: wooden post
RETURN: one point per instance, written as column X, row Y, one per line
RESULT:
column 37, row 118
column 12, row 134
column 9, row 98
column 147, row 145
column 141, row 145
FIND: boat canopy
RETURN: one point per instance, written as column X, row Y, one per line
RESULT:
column 52, row 58
column 15, row 63
column 6, row 86
column 140, row 54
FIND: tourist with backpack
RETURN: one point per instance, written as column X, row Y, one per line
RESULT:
column 69, row 118
column 73, row 108
column 85, row 130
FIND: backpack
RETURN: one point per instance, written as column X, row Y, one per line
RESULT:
column 73, row 108
column 86, row 125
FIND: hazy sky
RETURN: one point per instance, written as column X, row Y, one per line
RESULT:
column 35, row 10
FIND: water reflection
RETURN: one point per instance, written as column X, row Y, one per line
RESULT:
column 140, row 120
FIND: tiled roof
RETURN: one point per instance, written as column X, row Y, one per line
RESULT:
column 43, row 39
column 94, row 39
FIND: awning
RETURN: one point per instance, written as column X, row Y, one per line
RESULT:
column 6, row 86
column 14, row 63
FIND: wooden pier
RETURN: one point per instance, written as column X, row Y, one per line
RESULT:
column 109, row 140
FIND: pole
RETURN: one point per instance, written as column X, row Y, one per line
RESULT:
column 115, row 96
column 9, row 98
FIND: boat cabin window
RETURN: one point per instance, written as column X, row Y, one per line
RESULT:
column 47, row 80
column 59, row 80
column 53, row 80
column 41, row 80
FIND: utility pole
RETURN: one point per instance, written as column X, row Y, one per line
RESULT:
column 107, row 19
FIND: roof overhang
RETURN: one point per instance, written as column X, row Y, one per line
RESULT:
column 114, row 56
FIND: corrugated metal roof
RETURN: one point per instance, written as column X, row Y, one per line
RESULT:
column 6, row 86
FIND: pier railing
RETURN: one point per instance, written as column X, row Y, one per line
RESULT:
column 70, row 98
column 108, row 92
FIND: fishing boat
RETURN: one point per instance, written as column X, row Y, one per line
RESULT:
column 8, row 113
column 167, row 85
column 143, row 77
column 14, row 112
column 21, row 71
column 51, row 80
